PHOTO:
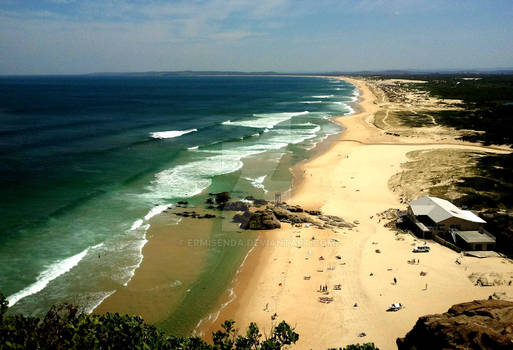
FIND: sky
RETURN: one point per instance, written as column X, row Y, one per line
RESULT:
column 86, row 36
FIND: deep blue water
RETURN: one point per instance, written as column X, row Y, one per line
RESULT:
column 86, row 161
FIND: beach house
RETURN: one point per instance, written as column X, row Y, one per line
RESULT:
column 432, row 216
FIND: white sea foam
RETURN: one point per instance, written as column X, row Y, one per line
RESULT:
column 323, row 96
column 312, row 102
column 306, row 124
column 97, row 246
column 228, row 122
column 139, row 247
column 266, row 120
column 154, row 211
column 190, row 179
column 98, row 299
column 52, row 272
column 136, row 224
column 351, row 110
column 170, row 134
column 356, row 94
column 193, row 147
column 257, row 182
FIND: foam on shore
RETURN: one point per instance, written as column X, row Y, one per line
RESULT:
column 49, row 274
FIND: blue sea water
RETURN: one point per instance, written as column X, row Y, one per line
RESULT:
column 86, row 162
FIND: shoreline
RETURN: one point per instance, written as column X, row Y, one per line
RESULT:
column 149, row 282
column 249, row 270
column 350, row 179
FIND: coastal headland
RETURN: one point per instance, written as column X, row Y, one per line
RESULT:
column 365, row 268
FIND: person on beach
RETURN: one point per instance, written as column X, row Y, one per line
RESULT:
column 395, row 280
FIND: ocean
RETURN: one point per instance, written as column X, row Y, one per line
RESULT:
column 86, row 162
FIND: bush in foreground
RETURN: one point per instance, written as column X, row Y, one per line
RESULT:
column 64, row 327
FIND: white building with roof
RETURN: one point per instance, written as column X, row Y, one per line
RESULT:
column 432, row 216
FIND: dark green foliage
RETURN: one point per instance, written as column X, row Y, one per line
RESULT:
column 65, row 328
column 491, row 192
column 487, row 102
column 414, row 120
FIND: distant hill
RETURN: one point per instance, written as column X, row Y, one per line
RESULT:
column 393, row 72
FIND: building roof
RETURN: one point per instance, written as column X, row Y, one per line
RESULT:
column 438, row 210
column 475, row 237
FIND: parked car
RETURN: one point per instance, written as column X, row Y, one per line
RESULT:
column 395, row 307
column 421, row 249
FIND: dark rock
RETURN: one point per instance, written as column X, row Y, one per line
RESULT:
column 294, row 208
column 480, row 324
column 209, row 201
column 256, row 202
column 259, row 220
column 234, row 206
column 206, row 216
column 286, row 216
column 222, row 197
column 242, row 218
column 182, row 203
column 314, row 212
column 259, row 202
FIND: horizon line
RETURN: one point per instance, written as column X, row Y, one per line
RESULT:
column 492, row 70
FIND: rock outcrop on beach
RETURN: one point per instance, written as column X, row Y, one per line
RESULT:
column 480, row 324
column 258, row 220
column 233, row 206
column 285, row 215
column 221, row 197
column 195, row 215
column 255, row 218
column 257, row 202
column 273, row 214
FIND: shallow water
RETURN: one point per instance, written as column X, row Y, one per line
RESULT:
column 86, row 162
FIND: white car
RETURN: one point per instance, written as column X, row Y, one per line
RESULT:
column 395, row 307
column 421, row 249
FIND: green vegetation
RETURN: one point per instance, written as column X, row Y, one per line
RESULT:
column 65, row 328
column 416, row 121
column 487, row 102
column 491, row 192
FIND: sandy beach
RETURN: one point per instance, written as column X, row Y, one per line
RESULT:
column 283, row 274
